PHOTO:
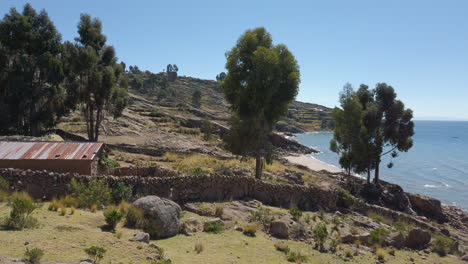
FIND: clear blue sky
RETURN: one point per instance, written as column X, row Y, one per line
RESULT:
column 419, row 46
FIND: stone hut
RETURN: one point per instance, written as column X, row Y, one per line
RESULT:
column 74, row 157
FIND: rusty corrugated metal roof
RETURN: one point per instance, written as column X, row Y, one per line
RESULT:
column 11, row 150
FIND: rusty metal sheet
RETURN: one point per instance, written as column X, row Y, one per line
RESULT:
column 12, row 150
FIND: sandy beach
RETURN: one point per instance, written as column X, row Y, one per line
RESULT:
column 312, row 163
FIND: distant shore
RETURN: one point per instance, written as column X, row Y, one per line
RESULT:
column 312, row 163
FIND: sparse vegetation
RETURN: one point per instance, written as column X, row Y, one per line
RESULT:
column 263, row 216
column 345, row 199
column 213, row 227
column 442, row 245
column 122, row 192
column 95, row 192
column 295, row 213
column 135, row 217
column 320, row 233
column 283, row 247
column 380, row 253
column 199, row 247
column 378, row 235
column 34, row 255
column 296, row 257
column 250, row 229
column 22, row 206
column 95, row 253
column 112, row 216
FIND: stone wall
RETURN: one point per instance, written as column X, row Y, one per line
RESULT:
column 159, row 172
column 46, row 185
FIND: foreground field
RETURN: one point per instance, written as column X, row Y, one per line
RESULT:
column 63, row 239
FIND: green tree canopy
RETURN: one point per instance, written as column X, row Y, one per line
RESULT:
column 261, row 81
column 96, row 75
column 31, row 97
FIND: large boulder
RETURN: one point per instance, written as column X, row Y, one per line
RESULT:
column 350, row 238
column 279, row 229
column 418, row 239
column 396, row 240
column 426, row 206
column 142, row 237
column 162, row 215
column 465, row 258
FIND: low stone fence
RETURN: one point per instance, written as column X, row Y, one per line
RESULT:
column 158, row 172
column 46, row 185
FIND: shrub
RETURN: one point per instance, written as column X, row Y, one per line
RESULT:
column 307, row 218
column 320, row 234
column 391, row 251
column 213, row 227
column 69, row 201
column 93, row 208
column 135, row 217
column 124, row 207
column 122, row 192
column 295, row 213
column 206, row 129
column 107, row 163
column 333, row 245
column 95, row 253
column 262, row 216
column 72, row 210
column 283, row 247
column 219, row 210
column 348, row 253
column 296, row 257
column 93, row 192
column 112, row 217
column 353, row 230
column 22, row 207
column 63, row 210
column 400, row 226
column 34, row 255
column 199, row 247
column 442, row 245
column 199, row 171
column 379, row 218
column 54, row 205
column 378, row 235
column 250, row 229
column 119, row 235
column 380, row 253
column 345, row 199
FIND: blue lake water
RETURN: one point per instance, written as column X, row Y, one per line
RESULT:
column 436, row 166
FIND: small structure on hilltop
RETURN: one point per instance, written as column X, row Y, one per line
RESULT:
column 74, row 157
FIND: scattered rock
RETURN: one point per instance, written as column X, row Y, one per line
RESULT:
column 191, row 225
column 141, row 237
column 465, row 258
column 279, row 229
column 445, row 231
column 418, row 239
column 162, row 214
column 350, row 238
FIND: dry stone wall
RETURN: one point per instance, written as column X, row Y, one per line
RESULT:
column 46, row 185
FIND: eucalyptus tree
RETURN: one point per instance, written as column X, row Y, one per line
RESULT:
column 348, row 125
column 261, row 80
column 31, row 96
column 96, row 75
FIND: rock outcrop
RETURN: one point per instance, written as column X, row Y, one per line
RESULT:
column 426, row 206
column 162, row 216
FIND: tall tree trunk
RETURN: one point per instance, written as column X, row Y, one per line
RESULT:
column 91, row 124
column 376, row 177
column 368, row 175
column 98, row 122
column 258, row 166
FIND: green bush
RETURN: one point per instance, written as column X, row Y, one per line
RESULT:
column 34, row 255
column 107, row 163
column 199, row 171
column 94, row 192
column 112, row 217
column 250, row 229
column 122, row 192
column 320, row 233
column 296, row 257
column 295, row 213
column 95, row 253
column 263, row 216
column 283, row 247
column 377, row 236
column 207, row 130
column 213, row 227
column 442, row 245
column 134, row 218
column 22, row 207
column 345, row 199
